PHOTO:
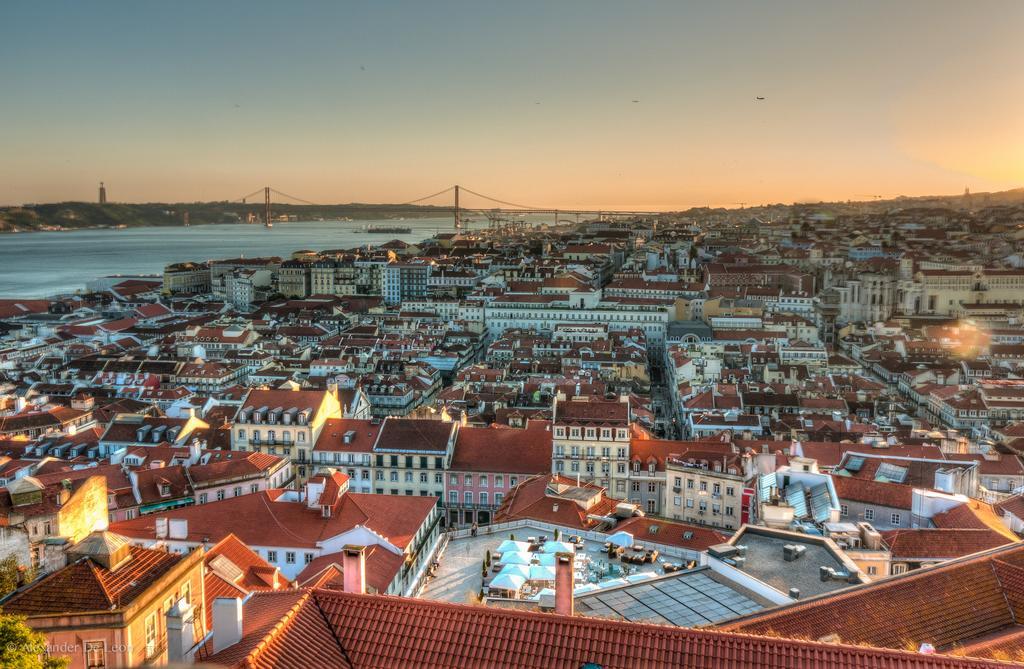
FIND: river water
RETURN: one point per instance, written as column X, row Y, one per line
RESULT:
column 40, row 264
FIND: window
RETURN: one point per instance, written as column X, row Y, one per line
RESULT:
column 483, row 480
column 729, row 511
column 423, row 477
column 652, row 487
column 872, row 570
column 636, row 486
column 394, row 476
column 730, row 491
column 453, row 496
column 689, row 484
column 689, row 503
column 308, row 558
column 151, row 635
column 237, row 491
column 453, row 479
column 869, row 514
column 271, row 556
column 467, row 480
column 202, row 498
column 255, row 487
column 220, row 495
column 498, row 497
column 895, row 519
column 499, row 481
column 844, row 510
column 677, row 501
column 469, row 498
column 96, row 654
column 408, row 477
column 898, row 569
column 241, row 435
column 289, row 557
column 483, row 499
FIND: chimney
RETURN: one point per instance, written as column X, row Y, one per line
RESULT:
column 180, row 634
column 194, row 452
column 227, row 622
column 564, row 584
column 353, row 568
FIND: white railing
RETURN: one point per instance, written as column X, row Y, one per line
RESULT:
column 510, row 527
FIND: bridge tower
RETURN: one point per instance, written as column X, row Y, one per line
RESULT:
column 266, row 215
column 458, row 214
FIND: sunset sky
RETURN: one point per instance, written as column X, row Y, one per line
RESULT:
column 528, row 101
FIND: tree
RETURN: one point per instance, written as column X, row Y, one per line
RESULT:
column 21, row 647
column 12, row 575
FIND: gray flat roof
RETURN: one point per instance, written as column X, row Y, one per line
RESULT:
column 765, row 562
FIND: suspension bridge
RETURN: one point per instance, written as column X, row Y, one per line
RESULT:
column 501, row 213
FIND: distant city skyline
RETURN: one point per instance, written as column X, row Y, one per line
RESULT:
column 644, row 105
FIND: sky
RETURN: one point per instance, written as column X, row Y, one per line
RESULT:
column 630, row 105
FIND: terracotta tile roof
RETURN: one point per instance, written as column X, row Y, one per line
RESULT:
column 945, row 605
column 234, row 570
column 1013, row 505
column 87, row 586
column 594, row 412
column 531, row 499
column 331, row 628
column 931, row 543
column 414, row 434
column 891, row 495
column 259, row 520
column 381, row 567
column 332, row 436
column 300, row 399
column 671, row 533
column 504, row 449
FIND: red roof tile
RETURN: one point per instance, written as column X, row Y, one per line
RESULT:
column 945, row 605
column 338, row 629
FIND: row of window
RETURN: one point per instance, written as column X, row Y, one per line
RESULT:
column 235, row 492
column 574, row 466
column 702, row 486
column 588, row 451
column 869, row 514
column 592, row 433
column 468, row 498
column 702, row 505
column 289, row 557
column 286, row 436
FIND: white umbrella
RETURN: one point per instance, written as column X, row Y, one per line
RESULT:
column 515, row 570
column 509, row 546
column 507, row 582
column 558, row 547
column 516, row 557
column 545, row 559
column 624, row 539
column 538, row 573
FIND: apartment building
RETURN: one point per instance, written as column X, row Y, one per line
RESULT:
column 411, row 455
column 284, row 422
column 707, row 486
column 591, row 438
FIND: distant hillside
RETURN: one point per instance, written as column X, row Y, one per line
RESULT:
column 80, row 215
